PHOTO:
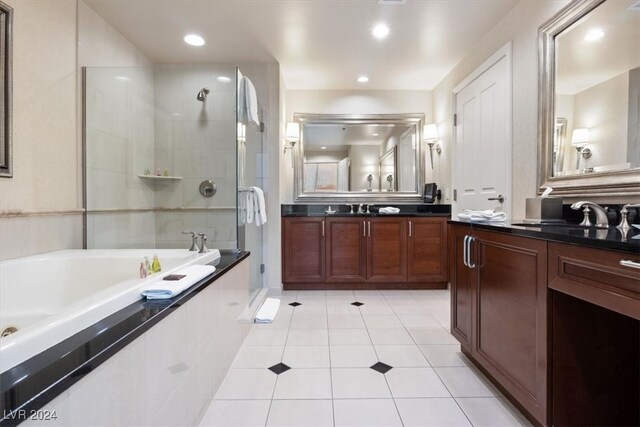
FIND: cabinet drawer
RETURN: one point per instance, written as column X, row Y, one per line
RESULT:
column 596, row 276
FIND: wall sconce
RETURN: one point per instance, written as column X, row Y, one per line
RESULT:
column 292, row 135
column 431, row 138
column 579, row 140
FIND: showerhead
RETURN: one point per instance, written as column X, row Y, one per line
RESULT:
column 202, row 95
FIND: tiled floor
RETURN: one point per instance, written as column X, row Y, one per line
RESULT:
column 389, row 361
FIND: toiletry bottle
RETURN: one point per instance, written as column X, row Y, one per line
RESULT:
column 158, row 172
column 143, row 271
column 166, row 172
column 155, row 264
column 147, row 266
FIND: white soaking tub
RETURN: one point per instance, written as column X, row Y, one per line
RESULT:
column 52, row 296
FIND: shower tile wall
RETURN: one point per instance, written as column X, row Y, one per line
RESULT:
column 197, row 141
column 120, row 145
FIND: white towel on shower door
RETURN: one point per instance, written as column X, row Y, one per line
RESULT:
column 163, row 289
column 259, row 205
column 250, row 102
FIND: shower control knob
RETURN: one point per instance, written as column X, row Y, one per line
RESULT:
column 208, row 188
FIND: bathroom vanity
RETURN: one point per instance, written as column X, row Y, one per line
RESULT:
column 364, row 251
column 551, row 314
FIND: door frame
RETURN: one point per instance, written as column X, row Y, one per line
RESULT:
column 504, row 52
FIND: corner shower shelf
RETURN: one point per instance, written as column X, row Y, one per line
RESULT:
column 160, row 178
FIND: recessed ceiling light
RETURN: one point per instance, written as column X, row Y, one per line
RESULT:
column 380, row 31
column 323, row 148
column 374, row 134
column 224, row 79
column 194, row 40
column 594, row 34
column 363, row 79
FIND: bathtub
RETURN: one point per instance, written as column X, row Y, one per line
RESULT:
column 50, row 297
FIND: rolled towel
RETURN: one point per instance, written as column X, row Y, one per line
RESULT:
column 163, row 289
column 389, row 210
column 268, row 311
column 486, row 215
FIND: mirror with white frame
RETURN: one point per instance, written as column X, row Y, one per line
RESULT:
column 365, row 157
column 589, row 99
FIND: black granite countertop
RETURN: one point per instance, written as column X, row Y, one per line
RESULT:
column 34, row 383
column 343, row 211
column 611, row 238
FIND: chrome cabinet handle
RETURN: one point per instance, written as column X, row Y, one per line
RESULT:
column 464, row 251
column 500, row 198
column 369, row 227
column 364, row 228
column 322, row 228
column 410, row 228
column 629, row 263
column 469, row 242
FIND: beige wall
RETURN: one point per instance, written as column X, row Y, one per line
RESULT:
column 520, row 26
column 350, row 102
column 42, row 196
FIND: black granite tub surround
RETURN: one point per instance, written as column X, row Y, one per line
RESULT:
column 32, row 384
column 569, row 232
column 344, row 210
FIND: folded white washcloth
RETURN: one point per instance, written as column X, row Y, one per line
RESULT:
column 389, row 210
column 486, row 215
column 268, row 311
column 162, row 289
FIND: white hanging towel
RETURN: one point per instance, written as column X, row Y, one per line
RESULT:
column 249, row 205
column 268, row 311
column 250, row 102
column 259, row 205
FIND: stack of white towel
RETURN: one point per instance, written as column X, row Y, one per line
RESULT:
column 486, row 215
column 389, row 210
column 255, row 206
column 163, row 289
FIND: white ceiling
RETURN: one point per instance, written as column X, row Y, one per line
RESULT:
column 337, row 137
column 583, row 64
column 320, row 44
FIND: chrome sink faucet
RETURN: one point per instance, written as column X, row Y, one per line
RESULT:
column 203, row 245
column 194, row 241
column 624, row 225
column 602, row 221
column 361, row 208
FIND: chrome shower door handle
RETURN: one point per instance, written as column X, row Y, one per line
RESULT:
column 500, row 198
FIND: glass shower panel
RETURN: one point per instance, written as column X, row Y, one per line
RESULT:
column 152, row 136
column 251, row 172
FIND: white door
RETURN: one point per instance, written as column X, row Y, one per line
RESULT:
column 482, row 157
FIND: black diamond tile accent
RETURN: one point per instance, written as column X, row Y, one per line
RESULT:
column 279, row 368
column 383, row 368
column 295, row 304
column 357, row 303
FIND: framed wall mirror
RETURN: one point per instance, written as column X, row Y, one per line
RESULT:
column 589, row 101
column 347, row 158
column 6, row 22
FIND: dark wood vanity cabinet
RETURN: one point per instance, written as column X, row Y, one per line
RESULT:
column 346, row 247
column 303, row 247
column 499, row 310
column 364, row 252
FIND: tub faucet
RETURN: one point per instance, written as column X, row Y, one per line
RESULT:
column 194, row 241
column 602, row 221
column 203, row 244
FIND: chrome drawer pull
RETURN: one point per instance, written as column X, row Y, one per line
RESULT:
column 471, row 240
column 629, row 263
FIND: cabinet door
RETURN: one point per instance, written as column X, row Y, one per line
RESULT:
column 463, row 280
column 427, row 260
column 511, row 322
column 303, row 250
column 346, row 250
column 387, row 250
